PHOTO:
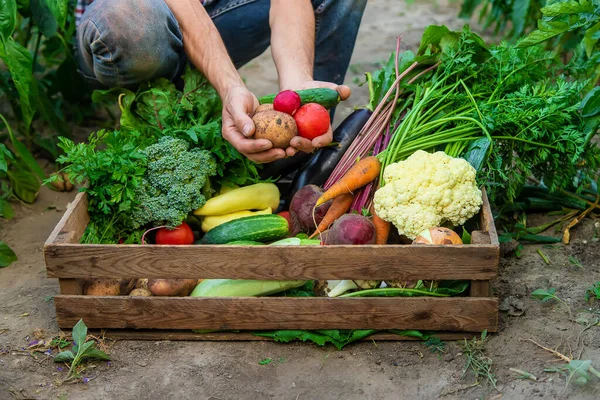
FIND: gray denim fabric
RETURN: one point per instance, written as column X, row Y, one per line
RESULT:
column 126, row 42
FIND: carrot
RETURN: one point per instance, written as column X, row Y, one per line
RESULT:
column 382, row 228
column 361, row 173
column 339, row 207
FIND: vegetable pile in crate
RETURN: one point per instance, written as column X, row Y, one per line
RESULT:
column 389, row 228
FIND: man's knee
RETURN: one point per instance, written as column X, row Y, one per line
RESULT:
column 123, row 42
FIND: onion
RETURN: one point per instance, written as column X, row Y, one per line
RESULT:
column 438, row 235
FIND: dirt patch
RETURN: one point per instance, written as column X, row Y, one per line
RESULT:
column 382, row 370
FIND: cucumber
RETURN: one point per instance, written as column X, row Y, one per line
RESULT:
column 328, row 98
column 256, row 228
column 245, row 243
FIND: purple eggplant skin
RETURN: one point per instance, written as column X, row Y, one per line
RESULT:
column 282, row 168
column 317, row 169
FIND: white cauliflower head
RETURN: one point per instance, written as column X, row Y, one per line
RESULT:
column 426, row 190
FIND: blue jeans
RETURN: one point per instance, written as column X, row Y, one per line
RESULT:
column 126, row 42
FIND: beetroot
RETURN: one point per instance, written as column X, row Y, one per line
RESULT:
column 287, row 102
column 301, row 209
column 351, row 229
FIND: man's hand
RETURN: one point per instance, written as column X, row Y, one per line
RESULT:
column 301, row 144
column 238, row 127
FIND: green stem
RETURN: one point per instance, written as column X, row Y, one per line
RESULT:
column 524, row 141
column 36, row 50
column 362, row 293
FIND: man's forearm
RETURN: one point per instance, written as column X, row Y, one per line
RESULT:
column 292, row 40
column 203, row 44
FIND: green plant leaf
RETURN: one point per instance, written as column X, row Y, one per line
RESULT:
column 125, row 99
column 547, row 31
column 590, row 105
column 93, row 352
column 44, row 105
column 23, row 153
column 79, row 332
column 59, row 9
column 84, row 349
column 4, row 152
column 64, row 356
column 8, row 18
column 520, row 9
column 432, row 35
column 25, row 185
column 7, row 256
column 590, row 39
column 466, row 236
column 265, row 361
column 19, row 62
column 6, row 210
column 43, row 17
column 567, row 7
column 543, row 294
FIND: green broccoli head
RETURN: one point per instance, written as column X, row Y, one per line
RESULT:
column 172, row 186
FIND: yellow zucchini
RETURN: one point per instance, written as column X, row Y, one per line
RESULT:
column 253, row 197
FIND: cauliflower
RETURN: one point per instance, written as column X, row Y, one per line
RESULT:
column 427, row 190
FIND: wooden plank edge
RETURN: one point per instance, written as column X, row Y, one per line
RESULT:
column 73, row 206
column 406, row 313
column 148, row 261
column 487, row 219
column 243, row 336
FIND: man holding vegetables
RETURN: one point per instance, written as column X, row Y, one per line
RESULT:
column 126, row 42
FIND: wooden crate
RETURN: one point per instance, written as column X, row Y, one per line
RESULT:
column 156, row 318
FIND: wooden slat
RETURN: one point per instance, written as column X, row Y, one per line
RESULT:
column 154, row 335
column 275, row 262
column 258, row 313
column 480, row 288
column 73, row 222
column 487, row 220
column 70, row 286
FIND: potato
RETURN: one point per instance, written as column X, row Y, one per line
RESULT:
column 275, row 126
column 264, row 107
column 142, row 283
column 62, row 184
column 171, row 287
column 108, row 287
column 140, row 292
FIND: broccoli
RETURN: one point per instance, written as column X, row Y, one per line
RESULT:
column 172, row 186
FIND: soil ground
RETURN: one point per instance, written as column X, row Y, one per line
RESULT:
column 366, row 370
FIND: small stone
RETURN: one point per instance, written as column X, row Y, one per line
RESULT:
column 228, row 376
column 142, row 363
column 449, row 357
column 293, row 384
column 378, row 362
column 395, row 363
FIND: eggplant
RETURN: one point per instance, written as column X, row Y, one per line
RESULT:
column 282, row 168
column 321, row 164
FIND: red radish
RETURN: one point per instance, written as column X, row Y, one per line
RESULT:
column 286, row 215
column 312, row 120
column 181, row 235
column 287, row 101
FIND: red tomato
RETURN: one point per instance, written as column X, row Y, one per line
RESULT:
column 286, row 215
column 312, row 120
column 287, row 101
column 181, row 235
